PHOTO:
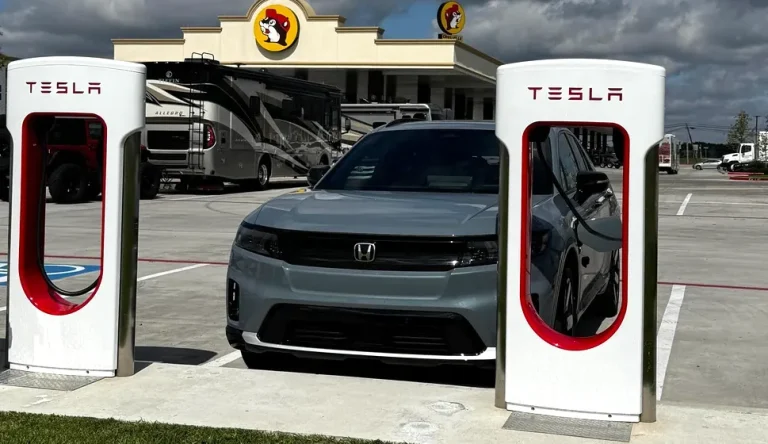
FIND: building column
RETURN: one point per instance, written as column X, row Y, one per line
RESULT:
column 592, row 142
column 605, row 143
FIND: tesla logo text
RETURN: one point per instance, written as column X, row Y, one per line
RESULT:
column 65, row 87
column 577, row 93
column 365, row 252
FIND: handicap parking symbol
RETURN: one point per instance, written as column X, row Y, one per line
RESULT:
column 54, row 271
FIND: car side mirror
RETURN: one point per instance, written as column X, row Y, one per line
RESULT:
column 347, row 125
column 316, row 173
column 609, row 237
column 592, row 182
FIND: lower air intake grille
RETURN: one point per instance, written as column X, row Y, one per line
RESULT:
column 378, row 331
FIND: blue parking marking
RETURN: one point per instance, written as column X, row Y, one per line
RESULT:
column 54, row 271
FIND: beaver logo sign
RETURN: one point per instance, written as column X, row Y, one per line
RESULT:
column 276, row 28
column 450, row 18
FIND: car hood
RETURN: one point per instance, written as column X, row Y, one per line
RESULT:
column 379, row 212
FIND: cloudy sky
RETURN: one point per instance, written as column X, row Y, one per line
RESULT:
column 715, row 51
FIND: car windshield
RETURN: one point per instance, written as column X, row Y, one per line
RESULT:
column 419, row 160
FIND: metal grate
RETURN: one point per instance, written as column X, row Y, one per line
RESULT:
column 580, row 428
column 45, row 381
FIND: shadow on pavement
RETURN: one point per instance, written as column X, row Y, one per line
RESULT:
column 172, row 355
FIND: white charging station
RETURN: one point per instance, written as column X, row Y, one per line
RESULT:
column 609, row 376
column 48, row 332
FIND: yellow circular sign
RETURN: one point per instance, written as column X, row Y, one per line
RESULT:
column 276, row 28
column 451, row 18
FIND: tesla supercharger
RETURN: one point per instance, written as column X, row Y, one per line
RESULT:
column 48, row 331
column 611, row 375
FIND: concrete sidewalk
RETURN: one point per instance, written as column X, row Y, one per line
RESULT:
column 345, row 406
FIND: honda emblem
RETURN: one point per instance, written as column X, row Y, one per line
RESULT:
column 365, row 252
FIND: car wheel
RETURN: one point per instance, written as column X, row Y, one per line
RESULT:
column 565, row 320
column 608, row 302
column 68, row 184
column 698, row 167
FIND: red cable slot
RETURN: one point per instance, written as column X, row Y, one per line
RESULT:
column 32, row 281
column 543, row 330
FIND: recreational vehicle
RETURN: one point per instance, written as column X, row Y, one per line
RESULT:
column 209, row 123
column 362, row 118
column 669, row 156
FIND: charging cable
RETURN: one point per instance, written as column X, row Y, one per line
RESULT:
column 568, row 202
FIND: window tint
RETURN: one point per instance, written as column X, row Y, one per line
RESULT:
column 432, row 160
column 581, row 155
column 569, row 168
column 67, row 132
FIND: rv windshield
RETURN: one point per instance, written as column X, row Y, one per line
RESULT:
column 440, row 160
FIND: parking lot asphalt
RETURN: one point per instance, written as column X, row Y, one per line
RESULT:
column 712, row 292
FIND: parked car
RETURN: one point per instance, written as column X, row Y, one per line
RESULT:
column 393, row 253
column 707, row 164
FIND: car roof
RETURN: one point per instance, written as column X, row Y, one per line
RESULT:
column 436, row 124
column 416, row 124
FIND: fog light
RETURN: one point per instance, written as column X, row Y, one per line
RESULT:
column 233, row 300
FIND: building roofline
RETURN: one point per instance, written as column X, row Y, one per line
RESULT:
column 306, row 8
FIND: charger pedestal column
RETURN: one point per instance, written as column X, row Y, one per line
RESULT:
column 609, row 376
column 48, row 333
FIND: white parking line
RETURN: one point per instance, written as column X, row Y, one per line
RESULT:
column 666, row 335
column 153, row 276
column 687, row 199
column 223, row 360
column 166, row 273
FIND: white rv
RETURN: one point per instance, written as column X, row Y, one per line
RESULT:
column 362, row 118
column 206, row 122
column 669, row 154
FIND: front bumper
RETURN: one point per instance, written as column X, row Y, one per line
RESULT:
column 459, row 306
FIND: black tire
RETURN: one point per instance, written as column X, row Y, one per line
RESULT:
column 68, row 183
column 149, row 181
column 566, row 299
column 608, row 302
column 698, row 167
column 263, row 172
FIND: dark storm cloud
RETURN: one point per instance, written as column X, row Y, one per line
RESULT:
column 714, row 50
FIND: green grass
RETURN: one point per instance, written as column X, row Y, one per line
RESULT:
column 25, row 428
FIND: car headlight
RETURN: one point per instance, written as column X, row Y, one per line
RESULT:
column 258, row 241
column 480, row 253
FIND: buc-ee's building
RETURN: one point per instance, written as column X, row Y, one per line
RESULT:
column 288, row 37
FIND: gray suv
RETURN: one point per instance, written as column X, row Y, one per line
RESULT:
column 393, row 253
